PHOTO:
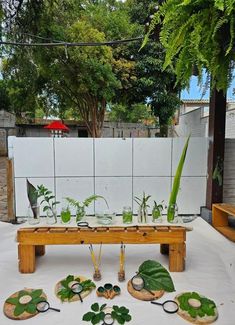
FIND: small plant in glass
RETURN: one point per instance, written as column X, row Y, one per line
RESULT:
column 50, row 203
column 80, row 206
column 143, row 207
column 127, row 215
column 157, row 212
column 65, row 215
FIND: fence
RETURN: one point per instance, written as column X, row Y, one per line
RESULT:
column 118, row 169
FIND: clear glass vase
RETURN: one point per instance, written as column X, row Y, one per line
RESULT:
column 127, row 215
column 142, row 215
column 65, row 215
column 172, row 213
column 157, row 214
column 51, row 216
column 80, row 213
column 34, row 214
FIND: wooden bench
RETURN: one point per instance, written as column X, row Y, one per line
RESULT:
column 220, row 213
column 32, row 241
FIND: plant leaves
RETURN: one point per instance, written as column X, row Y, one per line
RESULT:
column 88, row 316
column 23, row 293
column 32, row 193
column 176, row 183
column 13, row 301
column 31, row 308
column 155, row 276
column 96, row 319
column 103, row 306
column 36, row 293
column 19, row 309
column 95, row 307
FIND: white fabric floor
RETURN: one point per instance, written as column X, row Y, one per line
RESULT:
column 210, row 270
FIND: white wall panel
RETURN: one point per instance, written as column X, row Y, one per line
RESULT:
column 113, row 157
column 196, row 159
column 74, row 157
column 21, row 198
column 192, row 195
column 33, row 157
column 152, row 157
column 78, row 188
column 116, row 190
column 157, row 187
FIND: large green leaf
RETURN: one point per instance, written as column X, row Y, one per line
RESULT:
column 32, row 193
column 176, row 183
column 155, row 276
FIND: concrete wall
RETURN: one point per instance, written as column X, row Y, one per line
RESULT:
column 193, row 122
column 229, row 171
column 7, row 128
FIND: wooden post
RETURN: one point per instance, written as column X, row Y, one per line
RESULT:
column 40, row 250
column 26, row 255
column 216, row 134
column 10, row 191
column 176, row 257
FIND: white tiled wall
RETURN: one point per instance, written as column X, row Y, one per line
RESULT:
column 21, row 198
column 117, row 169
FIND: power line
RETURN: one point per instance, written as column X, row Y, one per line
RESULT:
column 68, row 44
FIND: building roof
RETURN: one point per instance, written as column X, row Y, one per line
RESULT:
column 57, row 125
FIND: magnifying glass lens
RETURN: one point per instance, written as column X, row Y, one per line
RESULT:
column 77, row 288
column 42, row 306
column 137, row 283
column 108, row 319
column 170, row 306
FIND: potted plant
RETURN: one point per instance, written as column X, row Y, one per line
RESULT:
column 143, row 211
column 80, row 206
column 50, row 203
column 157, row 212
column 65, row 215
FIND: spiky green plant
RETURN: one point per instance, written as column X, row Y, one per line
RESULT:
column 176, row 183
column 142, row 202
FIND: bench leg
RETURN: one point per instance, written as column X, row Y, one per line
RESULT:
column 164, row 249
column 177, row 257
column 26, row 254
column 40, row 250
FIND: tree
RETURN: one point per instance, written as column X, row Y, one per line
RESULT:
column 151, row 83
column 200, row 35
column 137, row 113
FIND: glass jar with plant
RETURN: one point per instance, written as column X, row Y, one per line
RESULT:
column 143, row 211
column 157, row 212
column 65, row 215
column 127, row 214
column 33, row 213
column 80, row 206
column 50, row 203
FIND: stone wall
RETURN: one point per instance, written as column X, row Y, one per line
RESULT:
column 7, row 128
column 3, row 188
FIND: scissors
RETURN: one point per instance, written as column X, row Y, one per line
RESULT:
column 83, row 224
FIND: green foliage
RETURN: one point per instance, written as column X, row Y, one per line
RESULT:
column 136, row 113
column 65, row 293
column 47, row 198
column 36, row 297
column 155, row 276
column 120, row 314
column 142, row 202
column 190, row 40
column 176, row 183
column 86, row 202
column 207, row 307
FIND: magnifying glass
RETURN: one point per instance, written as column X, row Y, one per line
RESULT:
column 169, row 306
column 108, row 319
column 44, row 306
column 77, row 288
column 138, row 284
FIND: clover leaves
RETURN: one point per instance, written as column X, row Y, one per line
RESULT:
column 30, row 307
column 120, row 314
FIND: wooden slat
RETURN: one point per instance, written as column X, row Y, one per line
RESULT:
column 228, row 232
column 131, row 229
column 162, row 228
column 146, row 229
column 101, row 229
column 228, row 208
column 73, row 229
column 57, row 230
column 43, row 229
column 10, row 191
column 116, row 229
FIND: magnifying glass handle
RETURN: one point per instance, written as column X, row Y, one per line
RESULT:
column 156, row 303
column 55, row 309
column 80, row 297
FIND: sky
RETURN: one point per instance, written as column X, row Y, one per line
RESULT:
column 196, row 93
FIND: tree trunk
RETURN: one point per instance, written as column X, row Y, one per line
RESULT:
column 216, row 134
column 163, row 130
